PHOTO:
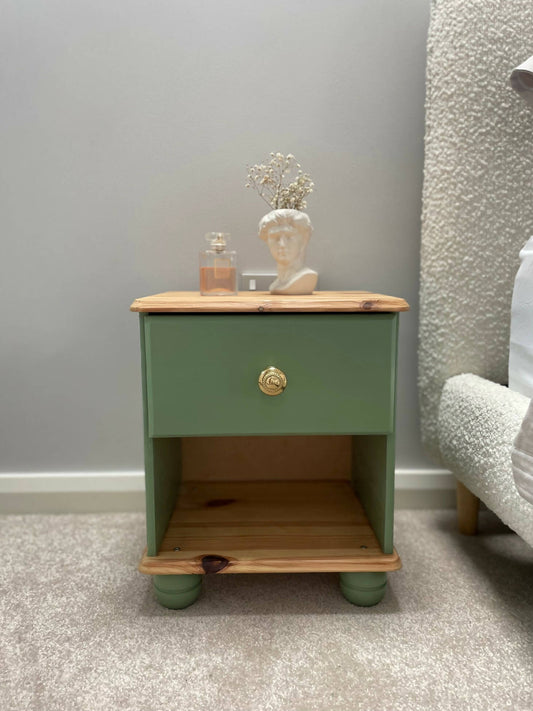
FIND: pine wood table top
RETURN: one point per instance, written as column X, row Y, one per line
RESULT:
column 264, row 301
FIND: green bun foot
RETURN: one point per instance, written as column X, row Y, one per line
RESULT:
column 364, row 589
column 177, row 591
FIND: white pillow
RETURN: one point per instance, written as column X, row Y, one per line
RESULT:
column 521, row 345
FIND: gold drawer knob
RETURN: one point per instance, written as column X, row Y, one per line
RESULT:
column 272, row 381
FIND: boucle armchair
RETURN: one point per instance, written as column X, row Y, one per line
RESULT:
column 477, row 214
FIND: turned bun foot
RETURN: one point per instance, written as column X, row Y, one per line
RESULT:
column 363, row 589
column 177, row 591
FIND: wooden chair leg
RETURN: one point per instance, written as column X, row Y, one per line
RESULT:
column 467, row 510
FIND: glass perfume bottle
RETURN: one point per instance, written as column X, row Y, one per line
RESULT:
column 218, row 266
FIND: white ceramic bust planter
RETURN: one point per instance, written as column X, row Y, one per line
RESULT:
column 287, row 233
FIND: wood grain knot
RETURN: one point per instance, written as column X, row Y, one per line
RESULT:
column 214, row 563
column 368, row 305
column 220, row 502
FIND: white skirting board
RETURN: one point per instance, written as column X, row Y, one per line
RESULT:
column 93, row 492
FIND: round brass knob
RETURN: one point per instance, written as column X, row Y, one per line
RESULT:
column 272, row 381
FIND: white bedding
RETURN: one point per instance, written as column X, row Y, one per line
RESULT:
column 521, row 345
column 522, row 457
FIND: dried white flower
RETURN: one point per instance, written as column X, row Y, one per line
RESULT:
column 270, row 182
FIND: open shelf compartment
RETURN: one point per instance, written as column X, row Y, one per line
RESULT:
column 268, row 527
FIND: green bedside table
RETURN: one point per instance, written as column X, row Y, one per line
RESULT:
column 269, row 438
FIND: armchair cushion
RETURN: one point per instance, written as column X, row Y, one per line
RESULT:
column 478, row 422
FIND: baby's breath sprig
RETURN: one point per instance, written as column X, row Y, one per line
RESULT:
column 268, row 180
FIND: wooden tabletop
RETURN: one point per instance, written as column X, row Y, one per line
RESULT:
column 264, row 301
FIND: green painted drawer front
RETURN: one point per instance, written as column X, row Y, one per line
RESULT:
column 202, row 372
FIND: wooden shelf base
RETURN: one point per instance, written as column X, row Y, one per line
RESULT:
column 268, row 527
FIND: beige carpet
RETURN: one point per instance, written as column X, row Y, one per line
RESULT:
column 80, row 629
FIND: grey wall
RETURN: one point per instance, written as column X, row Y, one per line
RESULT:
column 126, row 130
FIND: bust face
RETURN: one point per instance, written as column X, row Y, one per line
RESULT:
column 286, row 243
